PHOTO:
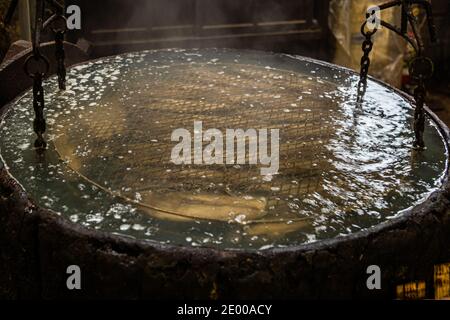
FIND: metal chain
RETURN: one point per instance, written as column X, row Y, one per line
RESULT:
column 367, row 47
column 60, row 57
column 39, row 125
column 37, row 73
column 58, row 24
column 41, row 64
column 419, row 115
column 420, row 69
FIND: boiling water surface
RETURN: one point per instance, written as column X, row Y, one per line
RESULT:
column 343, row 167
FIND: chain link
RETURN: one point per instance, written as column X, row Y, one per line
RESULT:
column 40, row 70
column 419, row 115
column 58, row 24
column 420, row 69
column 60, row 57
column 367, row 47
column 39, row 125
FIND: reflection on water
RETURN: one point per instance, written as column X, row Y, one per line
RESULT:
column 343, row 167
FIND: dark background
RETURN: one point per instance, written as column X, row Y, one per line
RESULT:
column 291, row 26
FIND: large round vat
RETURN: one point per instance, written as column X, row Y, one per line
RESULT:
column 143, row 186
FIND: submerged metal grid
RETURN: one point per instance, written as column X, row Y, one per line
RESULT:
column 127, row 135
